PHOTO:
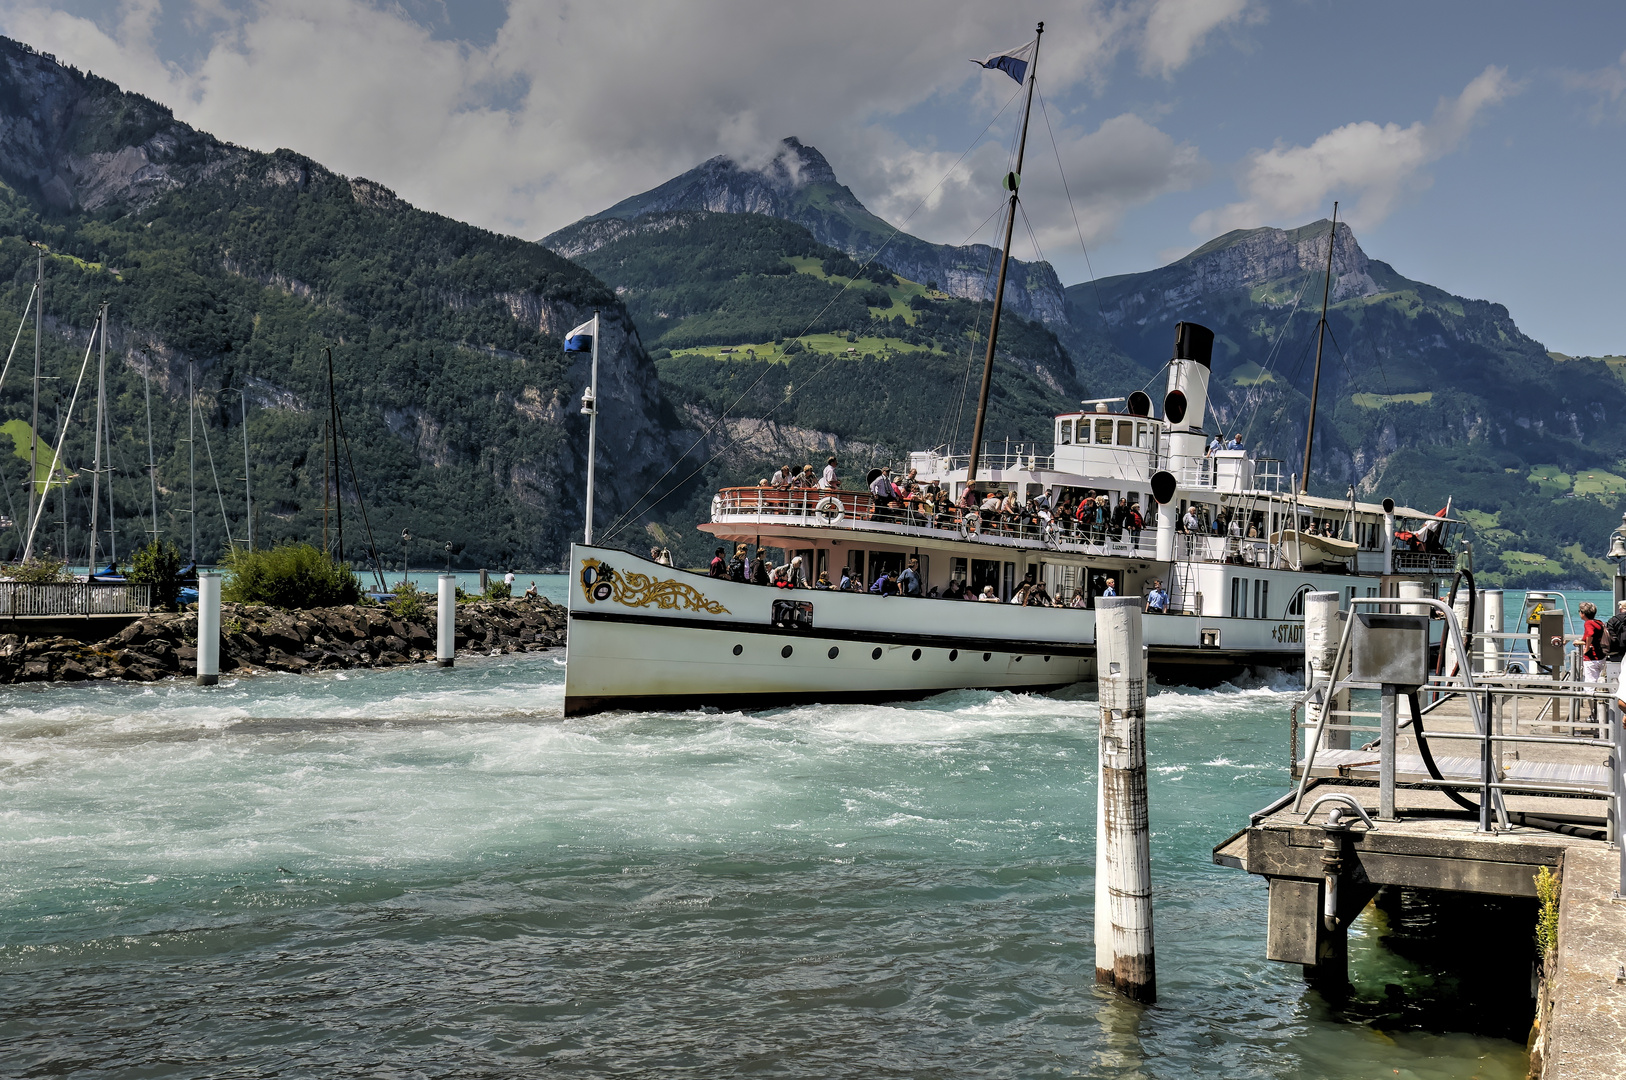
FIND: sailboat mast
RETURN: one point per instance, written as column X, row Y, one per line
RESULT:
column 96, row 440
column 34, row 441
column 1012, row 181
column 333, row 427
column 152, row 463
column 1320, row 338
column 192, row 459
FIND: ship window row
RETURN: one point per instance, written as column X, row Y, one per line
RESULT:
column 1105, row 431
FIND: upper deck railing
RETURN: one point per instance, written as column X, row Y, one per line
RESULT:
column 854, row 510
column 19, row 598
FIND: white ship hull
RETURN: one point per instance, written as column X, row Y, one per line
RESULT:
column 651, row 637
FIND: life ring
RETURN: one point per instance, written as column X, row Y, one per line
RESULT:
column 829, row 511
column 970, row 524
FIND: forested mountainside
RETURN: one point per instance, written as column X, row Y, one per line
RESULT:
column 787, row 350
column 461, row 410
column 1424, row 395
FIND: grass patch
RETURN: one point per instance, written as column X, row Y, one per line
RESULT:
column 901, row 293
column 825, row 343
column 1377, row 401
column 1251, row 374
column 1598, row 482
column 1529, row 560
column 1550, row 479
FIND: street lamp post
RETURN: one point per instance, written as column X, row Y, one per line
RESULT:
column 406, row 538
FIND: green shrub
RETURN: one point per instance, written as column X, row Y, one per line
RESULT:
column 289, row 576
column 1546, row 911
column 159, row 565
column 39, row 571
column 499, row 590
column 409, row 602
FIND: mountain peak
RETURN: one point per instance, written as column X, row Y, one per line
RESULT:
column 1245, row 258
column 796, row 183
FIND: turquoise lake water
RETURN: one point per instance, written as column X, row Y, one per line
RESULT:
column 417, row 872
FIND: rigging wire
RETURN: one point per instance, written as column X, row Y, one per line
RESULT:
column 616, row 525
column 1070, row 207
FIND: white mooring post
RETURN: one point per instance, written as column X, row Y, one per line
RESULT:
column 1459, row 608
column 208, row 629
column 1490, row 622
column 1123, row 847
column 446, row 621
column 1322, row 632
column 1412, row 589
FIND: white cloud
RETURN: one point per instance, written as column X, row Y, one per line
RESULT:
column 1608, row 84
column 1377, row 166
column 1176, row 28
column 572, row 106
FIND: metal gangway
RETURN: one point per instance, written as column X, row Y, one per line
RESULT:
column 1573, row 747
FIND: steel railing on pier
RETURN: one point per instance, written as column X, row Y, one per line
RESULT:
column 1577, row 714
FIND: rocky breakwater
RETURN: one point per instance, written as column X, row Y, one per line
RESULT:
column 254, row 638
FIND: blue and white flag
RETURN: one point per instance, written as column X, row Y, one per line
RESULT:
column 581, row 338
column 1013, row 62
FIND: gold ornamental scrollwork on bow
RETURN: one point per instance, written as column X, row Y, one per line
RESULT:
column 603, row 582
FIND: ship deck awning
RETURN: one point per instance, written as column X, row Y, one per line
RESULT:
column 1317, row 502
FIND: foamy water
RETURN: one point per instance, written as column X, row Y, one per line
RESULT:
column 425, row 872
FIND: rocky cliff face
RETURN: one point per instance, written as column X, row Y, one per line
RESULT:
column 1247, row 259
column 83, row 144
column 798, row 184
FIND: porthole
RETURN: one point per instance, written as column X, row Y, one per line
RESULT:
column 738, row 649
column 786, row 651
column 954, row 654
column 834, row 652
column 987, row 656
column 876, row 655
column 1016, row 659
column 916, row 655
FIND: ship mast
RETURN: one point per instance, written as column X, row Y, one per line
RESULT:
column 1013, row 180
column 1320, row 337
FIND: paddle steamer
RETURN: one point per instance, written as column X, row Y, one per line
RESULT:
column 646, row 636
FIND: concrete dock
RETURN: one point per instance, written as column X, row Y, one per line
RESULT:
column 1559, row 799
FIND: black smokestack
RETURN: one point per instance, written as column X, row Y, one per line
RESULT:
column 1193, row 342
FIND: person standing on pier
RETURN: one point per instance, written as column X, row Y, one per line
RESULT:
column 1616, row 628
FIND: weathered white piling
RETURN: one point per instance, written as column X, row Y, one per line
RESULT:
column 446, row 621
column 1412, row 589
column 208, row 629
column 1459, row 608
column 1322, row 632
column 1123, row 848
column 1490, row 622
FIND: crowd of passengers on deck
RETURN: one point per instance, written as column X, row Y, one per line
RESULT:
column 1075, row 515
column 760, row 570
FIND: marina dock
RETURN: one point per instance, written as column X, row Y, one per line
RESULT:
column 1543, row 787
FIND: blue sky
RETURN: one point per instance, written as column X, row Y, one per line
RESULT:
column 1474, row 146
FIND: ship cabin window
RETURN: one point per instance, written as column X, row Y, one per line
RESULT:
column 1239, row 598
column 1295, row 606
column 1064, row 432
column 1349, row 598
column 1261, row 597
column 1103, row 432
column 1143, row 436
column 1126, row 433
column 957, row 570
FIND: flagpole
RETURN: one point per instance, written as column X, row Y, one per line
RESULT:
column 1013, row 181
column 590, row 407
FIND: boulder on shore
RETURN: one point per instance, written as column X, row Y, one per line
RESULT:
column 254, row 637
